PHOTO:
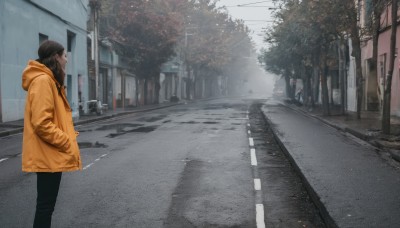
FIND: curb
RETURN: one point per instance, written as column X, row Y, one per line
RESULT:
column 95, row 119
column 11, row 132
column 395, row 154
column 329, row 221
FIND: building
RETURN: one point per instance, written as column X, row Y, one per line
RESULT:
column 24, row 25
column 117, row 83
column 170, row 80
column 375, row 83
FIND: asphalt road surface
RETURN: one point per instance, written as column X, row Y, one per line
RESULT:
column 183, row 166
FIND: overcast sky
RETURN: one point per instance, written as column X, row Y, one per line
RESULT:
column 256, row 16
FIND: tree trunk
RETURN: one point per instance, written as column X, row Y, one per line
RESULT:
column 137, row 91
column 325, row 92
column 195, row 83
column 316, row 80
column 342, row 78
column 288, row 87
column 157, row 88
column 355, row 39
column 388, row 89
column 145, row 91
column 308, row 91
column 188, row 82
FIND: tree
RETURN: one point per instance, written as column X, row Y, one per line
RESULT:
column 148, row 32
column 318, row 27
column 210, row 44
column 303, row 38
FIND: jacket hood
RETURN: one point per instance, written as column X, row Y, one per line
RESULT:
column 32, row 71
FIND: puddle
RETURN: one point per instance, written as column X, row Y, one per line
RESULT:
column 210, row 118
column 210, row 122
column 145, row 129
column 189, row 122
column 118, row 127
column 152, row 119
column 85, row 130
column 83, row 145
column 181, row 110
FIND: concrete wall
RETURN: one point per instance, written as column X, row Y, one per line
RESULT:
column 21, row 22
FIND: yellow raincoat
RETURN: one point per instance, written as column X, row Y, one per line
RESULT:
column 49, row 138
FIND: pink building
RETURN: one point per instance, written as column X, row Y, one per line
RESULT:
column 375, row 84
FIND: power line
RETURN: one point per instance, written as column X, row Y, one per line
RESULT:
column 256, row 6
column 261, row 20
column 253, row 3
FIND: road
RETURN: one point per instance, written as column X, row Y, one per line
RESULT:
column 184, row 166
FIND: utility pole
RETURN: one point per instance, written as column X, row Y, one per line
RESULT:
column 190, row 84
column 95, row 6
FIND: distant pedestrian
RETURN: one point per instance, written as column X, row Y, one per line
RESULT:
column 49, row 139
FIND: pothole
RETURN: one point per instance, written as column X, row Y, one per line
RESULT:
column 153, row 118
column 145, row 129
column 118, row 127
column 210, row 122
column 83, row 145
column 189, row 122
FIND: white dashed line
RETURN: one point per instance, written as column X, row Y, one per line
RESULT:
column 257, row 184
column 98, row 159
column 88, row 166
column 260, row 216
column 253, row 157
column 249, row 132
column 251, row 141
column 3, row 159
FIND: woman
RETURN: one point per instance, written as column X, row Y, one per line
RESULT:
column 49, row 139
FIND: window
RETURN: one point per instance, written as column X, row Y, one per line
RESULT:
column 70, row 41
column 42, row 38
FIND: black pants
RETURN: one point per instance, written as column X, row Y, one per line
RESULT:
column 47, row 191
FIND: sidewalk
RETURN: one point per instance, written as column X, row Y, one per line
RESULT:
column 15, row 127
column 368, row 128
column 352, row 185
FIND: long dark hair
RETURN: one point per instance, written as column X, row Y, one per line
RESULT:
column 47, row 56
